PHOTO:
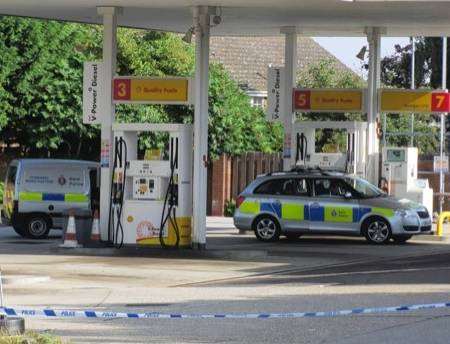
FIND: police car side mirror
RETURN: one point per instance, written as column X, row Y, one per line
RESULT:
column 348, row 195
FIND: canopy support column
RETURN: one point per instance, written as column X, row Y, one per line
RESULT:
column 109, row 15
column 373, row 141
column 202, row 28
column 290, row 80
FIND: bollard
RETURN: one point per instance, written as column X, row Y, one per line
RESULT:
column 442, row 216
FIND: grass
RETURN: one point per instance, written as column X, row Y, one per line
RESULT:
column 31, row 337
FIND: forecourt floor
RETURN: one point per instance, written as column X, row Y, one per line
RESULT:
column 237, row 274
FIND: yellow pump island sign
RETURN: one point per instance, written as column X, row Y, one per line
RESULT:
column 329, row 100
column 417, row 101
column 151, row 90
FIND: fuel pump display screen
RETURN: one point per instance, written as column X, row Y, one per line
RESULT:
column 395, row 155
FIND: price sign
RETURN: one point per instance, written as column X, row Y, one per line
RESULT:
column 440, row 164
column 152, row 90
column 328, row 100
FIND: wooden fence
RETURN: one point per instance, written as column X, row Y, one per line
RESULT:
column 228, row 176
column 246, row 167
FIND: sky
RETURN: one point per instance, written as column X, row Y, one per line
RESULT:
column 346, row 48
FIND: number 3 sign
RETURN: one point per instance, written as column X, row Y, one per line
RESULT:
column 122, row 89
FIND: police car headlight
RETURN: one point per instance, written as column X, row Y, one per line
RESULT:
column 405, row 213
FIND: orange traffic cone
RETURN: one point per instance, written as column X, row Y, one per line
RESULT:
column 95, row 232
column 70, row 238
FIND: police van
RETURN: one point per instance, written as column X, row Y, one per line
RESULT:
column 38, row 192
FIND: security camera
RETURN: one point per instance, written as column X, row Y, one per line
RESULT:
column 217, row 20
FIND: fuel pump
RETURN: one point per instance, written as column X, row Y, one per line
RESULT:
column 352, row 161
column 399, row 169
column 154, row 206
column 115, row 228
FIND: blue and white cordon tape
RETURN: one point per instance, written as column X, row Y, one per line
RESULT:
column 54, row 313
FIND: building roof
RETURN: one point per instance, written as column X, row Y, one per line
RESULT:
column 247, row 58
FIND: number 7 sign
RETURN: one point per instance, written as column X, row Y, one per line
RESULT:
column 440, row 102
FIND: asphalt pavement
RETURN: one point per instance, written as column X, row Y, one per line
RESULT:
column 237, row 275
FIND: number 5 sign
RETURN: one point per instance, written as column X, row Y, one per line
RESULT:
column 302, row 99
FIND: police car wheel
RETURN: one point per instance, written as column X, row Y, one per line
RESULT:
column 37, row 227
column 377, row 231
column 401, row 239
column 266, row 228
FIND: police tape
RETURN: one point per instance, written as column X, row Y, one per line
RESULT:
column 54, row 313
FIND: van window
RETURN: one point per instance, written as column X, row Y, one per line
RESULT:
column 54, row 179
column 11, row 175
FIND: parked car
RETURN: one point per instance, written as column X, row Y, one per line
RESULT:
column 315, row 201
column 38, row 191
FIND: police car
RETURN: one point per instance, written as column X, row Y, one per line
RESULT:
column 316, row 201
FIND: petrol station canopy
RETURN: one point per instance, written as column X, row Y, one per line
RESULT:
column 256, row 17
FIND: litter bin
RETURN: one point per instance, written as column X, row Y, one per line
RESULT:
column 83, row 224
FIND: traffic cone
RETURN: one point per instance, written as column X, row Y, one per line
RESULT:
column 95, row 232
column 70, row 237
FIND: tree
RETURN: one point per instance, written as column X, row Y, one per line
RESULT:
column 234, row 126
column 396, row 73
column 40, row 89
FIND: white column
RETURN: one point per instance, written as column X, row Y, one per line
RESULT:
column 442, row 138
column 109, row 61
column 202, row 27
column 373, row 142
column 290, row 68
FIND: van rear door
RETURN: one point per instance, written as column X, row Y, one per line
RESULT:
column 9, row 191
column 53, row 188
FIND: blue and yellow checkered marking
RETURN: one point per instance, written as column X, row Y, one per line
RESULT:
column 55, row 197
column 295, row 211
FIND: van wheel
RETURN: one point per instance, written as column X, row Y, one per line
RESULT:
column 37, row 227
column 267, row 228
column 20, row 231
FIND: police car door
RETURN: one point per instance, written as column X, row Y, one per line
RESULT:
column 294, row 204
column 289, row 198
column 333, row 207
